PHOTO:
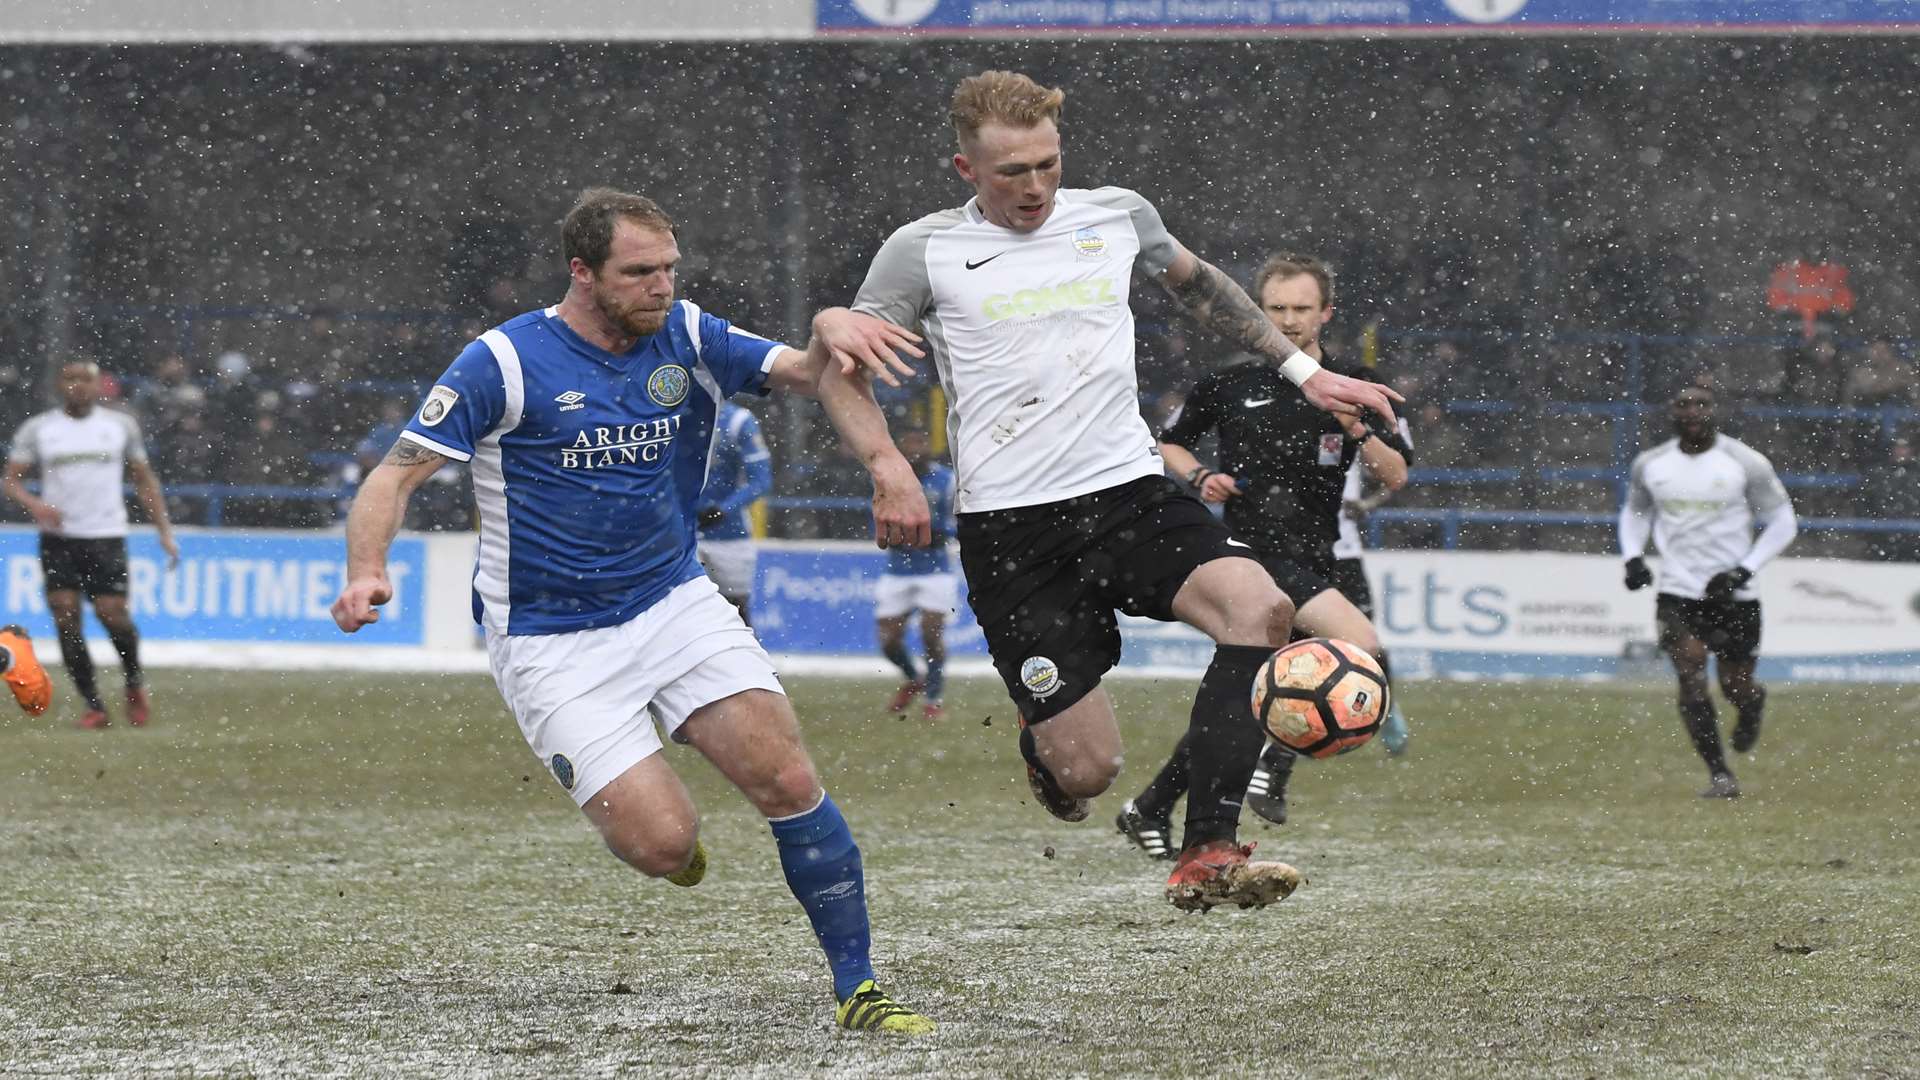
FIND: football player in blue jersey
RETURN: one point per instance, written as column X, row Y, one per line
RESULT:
column 587, row 427
column 742, row 472
column 920, row 579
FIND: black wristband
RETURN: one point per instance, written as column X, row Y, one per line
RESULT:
column 1199, row 475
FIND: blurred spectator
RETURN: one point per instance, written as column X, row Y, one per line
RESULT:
column 1890, row 491
column 1881, row 378
column 1815, row 373
column 167, row 395
column 264, row 456
column 1443, row 445
column 232, row 395
column 17, row 397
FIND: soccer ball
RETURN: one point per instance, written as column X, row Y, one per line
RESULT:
column 1320, row 697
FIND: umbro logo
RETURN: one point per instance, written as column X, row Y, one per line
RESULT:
column 571, row 400
column 1254, row 403
column 971, row 265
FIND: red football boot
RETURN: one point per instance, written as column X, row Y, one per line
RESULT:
column 137, row 710
column 1218, row 872
column 905, row 695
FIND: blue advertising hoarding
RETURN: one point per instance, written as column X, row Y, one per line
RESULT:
column 261, row 587
column 819, row 599
column 1421, row 16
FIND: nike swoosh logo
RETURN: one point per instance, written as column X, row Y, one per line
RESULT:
column 1235, row 543
column 1252, row 403
column 985, row 261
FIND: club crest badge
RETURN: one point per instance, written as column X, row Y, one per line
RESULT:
column 1040, row 676
column 1088, row 243
column 668, row 385
column 563, row 771
column 439, row 401
column 1331, row 446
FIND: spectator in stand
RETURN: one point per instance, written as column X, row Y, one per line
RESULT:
column 1890, row 491
column 186, row 456
column 264, row 455
column 1815, row 374
column 167, row 396
column 232, row 396
column 1881, row 378
column 16, row 395
column 1442, row 444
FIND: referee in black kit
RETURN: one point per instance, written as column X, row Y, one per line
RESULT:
column 1282, row 469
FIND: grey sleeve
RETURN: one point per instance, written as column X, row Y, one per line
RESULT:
column 1765, row 492
column 136, row 442
column 897, row 288
column 20, row 450
column 1157, row 246
column 1639, row 499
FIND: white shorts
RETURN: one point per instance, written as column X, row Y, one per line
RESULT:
column 587, row 701
column 730, row 564
column 895, row 595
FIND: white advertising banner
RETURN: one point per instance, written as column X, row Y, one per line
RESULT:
column 1461, row 614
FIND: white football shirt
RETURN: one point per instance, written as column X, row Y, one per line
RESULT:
column 1703, row 508
column 1033, row 338
column 82, row 463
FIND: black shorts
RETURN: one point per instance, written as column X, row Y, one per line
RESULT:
column 1350, row 577
column 1301, row 581
column 92, row 567
column 1730, row 629
column 1044, row 581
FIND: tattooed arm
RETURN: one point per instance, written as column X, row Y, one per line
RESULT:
column 1218, row 303
column 378, row 509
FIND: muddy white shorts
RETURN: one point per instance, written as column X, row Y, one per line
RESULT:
column 730, row 564
column 588, row 702
column 895, row 595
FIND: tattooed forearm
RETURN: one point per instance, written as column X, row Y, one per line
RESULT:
column 407, row 452
column 1217, row 303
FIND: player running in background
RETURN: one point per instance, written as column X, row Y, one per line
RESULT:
column 84, row 453
column 588, row 426
column 1698, row 496
column 1363, row 494
column 922, row 580
column 1283, row 468
column 1065, row 514
column 742, row 472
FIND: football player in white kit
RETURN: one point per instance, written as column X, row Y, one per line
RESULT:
column 1065, row 515
column 1698, row 497
column 84, row 455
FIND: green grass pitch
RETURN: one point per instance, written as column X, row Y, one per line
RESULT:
column 347, row 875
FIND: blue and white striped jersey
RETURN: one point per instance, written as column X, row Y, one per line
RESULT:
column 742, row 472
column 587, row 466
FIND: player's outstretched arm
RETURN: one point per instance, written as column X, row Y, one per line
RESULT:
column 859, row 342
column 378, row 509
column 901, row 517
column 146, row 483
column 1211, row 486
column 1218, row 303
column 44, row 513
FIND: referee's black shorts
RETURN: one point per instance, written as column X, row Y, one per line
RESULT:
column 1044, row 581
column 90, row 567
column 1350, row 577
column 1730, row 629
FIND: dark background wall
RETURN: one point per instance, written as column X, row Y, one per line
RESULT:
column 1637, row 183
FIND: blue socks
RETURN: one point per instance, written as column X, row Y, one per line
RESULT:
column 936, row 678
column 822, row 865
column 899, row 657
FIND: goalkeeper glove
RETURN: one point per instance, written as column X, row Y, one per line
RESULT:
column 1638, row 576
column 1722, row 586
